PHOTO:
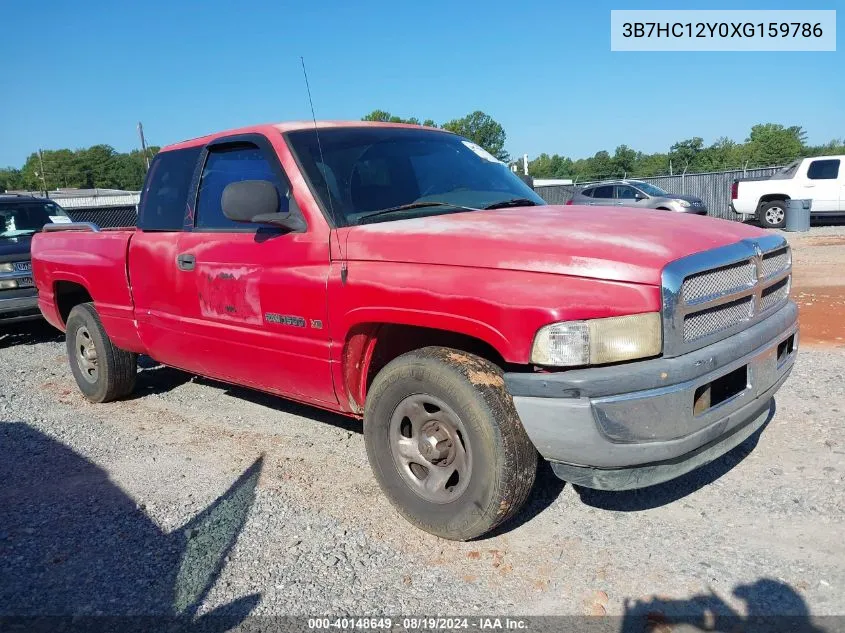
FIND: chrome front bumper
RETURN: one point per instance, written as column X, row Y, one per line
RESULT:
column 637, row 424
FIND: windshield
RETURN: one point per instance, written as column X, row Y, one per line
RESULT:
column 652, row 190
column 368, row 169
column 27, row 216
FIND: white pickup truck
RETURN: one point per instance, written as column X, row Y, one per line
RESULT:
column 820, row 179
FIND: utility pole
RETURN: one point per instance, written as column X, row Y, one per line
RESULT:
column 43, row 179
column 143, row 145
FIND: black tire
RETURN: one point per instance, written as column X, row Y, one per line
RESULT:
column 503, row 461
column 772, row 215
column 114, row 370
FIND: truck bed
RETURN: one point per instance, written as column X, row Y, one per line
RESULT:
column 85, row 259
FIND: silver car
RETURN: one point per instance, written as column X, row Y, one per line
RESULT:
column 635, row 193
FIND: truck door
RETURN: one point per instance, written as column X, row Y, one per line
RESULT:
column 258, row 302
column 159, row 291
column 823, row 184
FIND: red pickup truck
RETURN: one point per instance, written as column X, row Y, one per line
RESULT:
column 403, row 275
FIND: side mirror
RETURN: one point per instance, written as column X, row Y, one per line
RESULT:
column 639, row 196
column 257, row 201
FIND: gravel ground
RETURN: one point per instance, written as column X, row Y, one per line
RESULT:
column 196, row 496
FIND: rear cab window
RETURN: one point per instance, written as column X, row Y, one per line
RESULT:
column 605, row 191
column 164, row 198
column 827, row 169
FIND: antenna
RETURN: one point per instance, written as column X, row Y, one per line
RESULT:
column 143, row 145
column 319, row 145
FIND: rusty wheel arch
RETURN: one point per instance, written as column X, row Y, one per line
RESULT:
column 371, row 346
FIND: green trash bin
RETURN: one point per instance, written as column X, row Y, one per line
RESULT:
column 798, row 215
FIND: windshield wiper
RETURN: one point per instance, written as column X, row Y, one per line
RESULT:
column 413, row 205
column 514, row 202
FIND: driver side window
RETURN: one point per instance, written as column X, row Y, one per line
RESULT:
column 226, row 165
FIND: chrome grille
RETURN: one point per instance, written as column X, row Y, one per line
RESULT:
column 721, row 281
column 775, row 293
column 717, row 318
column 711, row 295
column 776, row 261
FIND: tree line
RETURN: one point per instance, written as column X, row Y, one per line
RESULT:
column 768, row 144
column 477, row 126
column 98, row 166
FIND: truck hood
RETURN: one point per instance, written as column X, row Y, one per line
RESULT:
column 629, row 245
column 15, row 248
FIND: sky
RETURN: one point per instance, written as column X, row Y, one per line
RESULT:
column 85, row 72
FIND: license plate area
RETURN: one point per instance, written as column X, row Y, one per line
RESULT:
column 720, row 390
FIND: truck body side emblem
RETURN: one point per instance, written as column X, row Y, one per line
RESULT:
column 284, row 319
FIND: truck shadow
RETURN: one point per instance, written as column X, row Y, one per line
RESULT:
column 547, row 488
column 670, row 491
column 28, row 333
column 154, row 378
column 770, row 605
column 73, row 543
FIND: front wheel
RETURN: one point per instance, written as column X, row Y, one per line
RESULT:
column 446, row 444
column 102, row 371
column 773, row 214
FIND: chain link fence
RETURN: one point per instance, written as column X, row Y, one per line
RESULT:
column 714, row 188
column 106, row 217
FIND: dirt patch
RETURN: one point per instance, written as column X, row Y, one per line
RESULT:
column 819, row 289
column 486, row 378
column 461, row 359
column 825, row 241
column 822, row 314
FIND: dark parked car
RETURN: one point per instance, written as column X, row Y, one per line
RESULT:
column 635, row 193
column 20, row 218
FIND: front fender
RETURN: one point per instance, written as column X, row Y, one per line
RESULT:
column 503, row 308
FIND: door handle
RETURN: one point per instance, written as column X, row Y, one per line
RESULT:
column 185, row 261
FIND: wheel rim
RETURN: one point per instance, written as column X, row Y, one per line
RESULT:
column 430, row 448
column 86, row 355
column 774, row 215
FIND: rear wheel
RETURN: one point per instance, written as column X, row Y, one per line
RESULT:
column 446, row 444
column 102, row 371
column 773, row 214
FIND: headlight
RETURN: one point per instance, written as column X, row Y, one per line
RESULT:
column 683, row 203
column 7, row 268
column 598, row 341
column 8, row 284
